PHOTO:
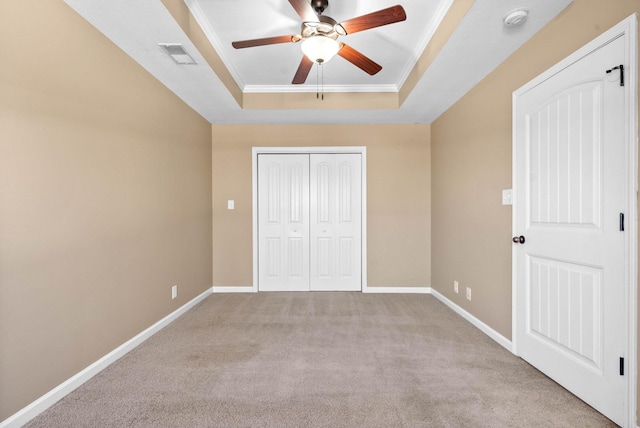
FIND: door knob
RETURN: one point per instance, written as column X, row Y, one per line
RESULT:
column 518, row 239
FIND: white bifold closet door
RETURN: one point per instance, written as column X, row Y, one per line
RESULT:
column 335, row 198
column 309, row 221
column 283, row 222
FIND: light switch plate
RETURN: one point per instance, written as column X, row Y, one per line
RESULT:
column 230, row 204
column 507, row 197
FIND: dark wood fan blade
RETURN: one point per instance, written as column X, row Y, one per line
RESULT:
column 375, row 19
column 265, row 41
column 304, row 9
column 303, row 71
column 359, row 60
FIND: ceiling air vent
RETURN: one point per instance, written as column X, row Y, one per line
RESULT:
column 177, row 53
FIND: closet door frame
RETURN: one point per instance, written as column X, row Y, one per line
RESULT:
column 255, row 151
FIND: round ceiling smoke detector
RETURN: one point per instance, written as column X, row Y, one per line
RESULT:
column 516, row 17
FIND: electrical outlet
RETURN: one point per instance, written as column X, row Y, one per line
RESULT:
column 455, row 286
column 174, row 291
column 468, row 293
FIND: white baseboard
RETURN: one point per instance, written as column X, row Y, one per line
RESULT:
column 406, row 290
column 503, row 341
column 248, row 289
column 420, row 290
column 50, row 398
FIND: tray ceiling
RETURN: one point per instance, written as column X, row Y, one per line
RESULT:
column 426, row 66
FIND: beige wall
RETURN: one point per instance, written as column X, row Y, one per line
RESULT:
column 105, row 199
column 471, row 150
column 398, row 196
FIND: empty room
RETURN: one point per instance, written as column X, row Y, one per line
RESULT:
column 318, row 213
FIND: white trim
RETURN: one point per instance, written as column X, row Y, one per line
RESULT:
column 402, row 290
column 500, row 339
column 254, row 215
column 309, row 149
column 514, row 202
column 631, row 39
column 629, row 30
column 421, row 46
column 363, row 238
column 50, row 398
column 201, row 18
column 265, row 89
column 243, row 289
column 255, row 151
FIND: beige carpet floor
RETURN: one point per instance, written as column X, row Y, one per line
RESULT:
column 320, row 360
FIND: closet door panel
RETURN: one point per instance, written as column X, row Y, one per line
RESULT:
column 336, row 222
column 283, row 222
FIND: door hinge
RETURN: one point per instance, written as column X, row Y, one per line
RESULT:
column 621, row 366
column 621, row 68
column 621, row 222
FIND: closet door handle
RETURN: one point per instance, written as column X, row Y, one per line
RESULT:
column 518, row 239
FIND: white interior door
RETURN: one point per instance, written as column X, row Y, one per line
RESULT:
column 570, row 187
column 283, row 222
column 309, row 222
column 335, row 220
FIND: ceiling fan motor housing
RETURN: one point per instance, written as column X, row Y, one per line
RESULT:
column 319, row 5
column 325, row 26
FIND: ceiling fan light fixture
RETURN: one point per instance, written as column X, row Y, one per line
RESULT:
column 320, row 48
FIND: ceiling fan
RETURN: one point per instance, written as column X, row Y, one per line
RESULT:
column 319, row 36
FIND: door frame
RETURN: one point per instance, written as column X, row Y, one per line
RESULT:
column 628, row 30
column 255, row 151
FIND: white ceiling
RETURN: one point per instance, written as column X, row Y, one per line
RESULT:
column 479, row 44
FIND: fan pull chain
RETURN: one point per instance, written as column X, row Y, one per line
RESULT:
column 320, row 78
column 322, row 82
